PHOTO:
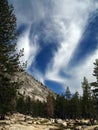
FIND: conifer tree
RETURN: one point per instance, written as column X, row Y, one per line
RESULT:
column 95, row 73
column 60, row 107
column 86, row 99
column 9, row 59
column 95, row 85
column 50, row 105
column 76, row 106
column 68, row 93
column 96, row 69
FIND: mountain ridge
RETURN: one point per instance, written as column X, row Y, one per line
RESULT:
column 32, row 88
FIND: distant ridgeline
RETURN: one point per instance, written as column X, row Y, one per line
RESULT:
column 32, row 88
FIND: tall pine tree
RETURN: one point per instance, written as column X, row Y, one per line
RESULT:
column 87, row 100
column 95, row 85
column 95, row 73
column 68, row 93
column 9, row 59
column 50, row 105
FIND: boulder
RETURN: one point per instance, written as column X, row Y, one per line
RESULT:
column 85, row 122
column 78, row 128
column 23, row 123
column 13, row 121
column 8, row 122
column 29, row 122
column 64, row 124
column 52, row 121
column 37, row 122
column 7, row 118
column 59, row 121
column 84, row 126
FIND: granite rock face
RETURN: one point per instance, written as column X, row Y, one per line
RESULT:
column 32, row 88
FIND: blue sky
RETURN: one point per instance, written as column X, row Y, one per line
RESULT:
column 60, row 40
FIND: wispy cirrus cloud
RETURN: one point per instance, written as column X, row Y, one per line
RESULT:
column 61, row 23
column 30, row 49
column 78, row 73
column 30, row 14
column 73, row 19
column 31, row 11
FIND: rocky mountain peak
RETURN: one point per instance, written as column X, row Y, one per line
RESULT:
column 32, row 88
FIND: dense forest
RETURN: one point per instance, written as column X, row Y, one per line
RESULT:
column 66, row 105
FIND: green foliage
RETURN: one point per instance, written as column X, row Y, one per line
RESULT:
column 75, row 106
column 88, row 108
column 50, row 106
column 39, row 109
column 60, row 106
column 7, row 97
column 95, row 73
column 20, row 107
column 30, row 107
column 67, row 106
column 95, row 84
column 9, row 59
column 68, row 93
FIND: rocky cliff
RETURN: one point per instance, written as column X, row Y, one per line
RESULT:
column 32, row 88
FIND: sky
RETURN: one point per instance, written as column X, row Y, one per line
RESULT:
column 60, row 40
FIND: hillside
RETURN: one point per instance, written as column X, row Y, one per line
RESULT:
column 32, row 88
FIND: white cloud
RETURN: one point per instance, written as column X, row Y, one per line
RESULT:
column 72, row 17
column 23, row 42
column 70, row 38
column 85, row 69
column 77, row 74
column 66, row 20
column 30, row 49
column 29, row 11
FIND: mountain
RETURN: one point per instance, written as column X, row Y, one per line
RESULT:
column 32, row 88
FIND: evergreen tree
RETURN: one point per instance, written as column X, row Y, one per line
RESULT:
column 75, row 106
column 60, row 104
column 28, row 106
column 38, row 109
column 86, row 99
column 95, row 84
column 68, row 93
column 50, row 105
column 20, row 107
column 96, row 69
column 9, row 59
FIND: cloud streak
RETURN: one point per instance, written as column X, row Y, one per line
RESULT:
column 30, row 49
column 62, row 23
column 85, row 69
column 72, row 18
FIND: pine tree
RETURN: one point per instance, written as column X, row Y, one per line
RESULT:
column 76, row 106
column 9, row 59
column 68, row 93
column 60, row 107
column 86, row 99
column 96, row 69
column 95, row 84
column 21, row 105
column 50, row 105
